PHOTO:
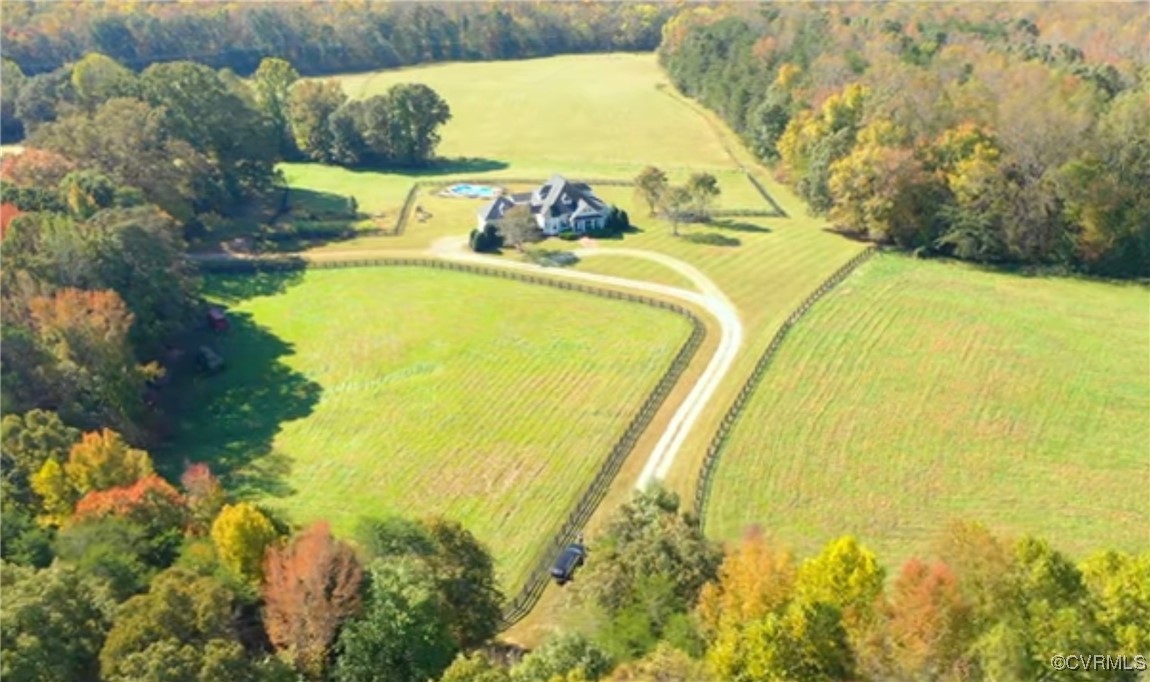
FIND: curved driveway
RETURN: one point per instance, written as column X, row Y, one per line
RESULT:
column 709, row 297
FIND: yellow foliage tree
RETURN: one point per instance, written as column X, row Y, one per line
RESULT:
column 848, row 577
column 754, row 580
column 241, row 534
column 103, row 460
column 57, row 493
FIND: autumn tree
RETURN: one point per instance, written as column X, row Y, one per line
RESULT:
column 241, row 534
column 103, row 460
column 150, row 501
column 311, row 586
column 53, row 624
column 925, row 624
column 474, row 667
column 848, row 577
column 650, row 184
column 663, row 664
column 204, row 495
column 760, row 626
column 29, row 440
column 1119, row 584
column 402, row 633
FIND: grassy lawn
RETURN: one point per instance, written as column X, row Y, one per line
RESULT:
column 588, row 116
column 919, row 392
column 417, row 391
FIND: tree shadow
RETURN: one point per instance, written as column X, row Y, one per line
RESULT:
column 738, row 226
column 711, row 239
column 444, row 166
column 230, row 419
column 309, row 204
column 852, row 235
column 234, row 287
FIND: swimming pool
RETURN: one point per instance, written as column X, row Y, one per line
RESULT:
column 472, row 191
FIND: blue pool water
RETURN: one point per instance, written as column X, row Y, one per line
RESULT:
column 476, row 191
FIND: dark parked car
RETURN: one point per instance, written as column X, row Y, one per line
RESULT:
column 571, row 558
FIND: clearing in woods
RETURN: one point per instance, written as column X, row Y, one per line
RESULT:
column 414, row 391
column 922, row 392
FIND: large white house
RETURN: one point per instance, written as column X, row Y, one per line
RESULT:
column 558, row 205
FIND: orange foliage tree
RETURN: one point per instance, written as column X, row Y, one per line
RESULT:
column 150, row 501
column 311, row 586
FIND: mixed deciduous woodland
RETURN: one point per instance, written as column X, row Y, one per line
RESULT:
column 1015, row 135
column 989, row 132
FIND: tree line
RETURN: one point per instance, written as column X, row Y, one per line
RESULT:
column 989, row 133
column 319, row 38
column 119, row 172
column 117, row 574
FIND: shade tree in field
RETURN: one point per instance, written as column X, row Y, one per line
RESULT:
column 676, row 206
column 704, row 190
column 312, row 585
column 650, row 184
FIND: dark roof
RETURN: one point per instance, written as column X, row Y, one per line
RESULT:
column 495, row 209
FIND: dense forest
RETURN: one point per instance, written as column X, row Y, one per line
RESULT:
column 316, row 37
column 997, row 133
column 1004, row 141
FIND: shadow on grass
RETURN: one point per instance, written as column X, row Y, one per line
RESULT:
column 452, row 166
column 233, row 287
column 230, row 420
column 738, row 226
column 711, row 239
column 309, row 204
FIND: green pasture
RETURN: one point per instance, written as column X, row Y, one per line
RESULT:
column 587, row 116
column 417, row 391
column 918, row 393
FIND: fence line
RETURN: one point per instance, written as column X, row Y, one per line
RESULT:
column 719, row 440
column 529, row 594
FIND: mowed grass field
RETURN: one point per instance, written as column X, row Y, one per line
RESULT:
column 417, row 391
column 588, row 116
column 918, row 393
